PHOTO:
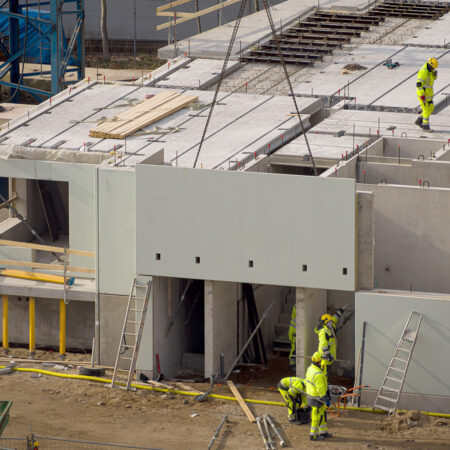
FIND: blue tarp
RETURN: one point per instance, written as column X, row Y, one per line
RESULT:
column 42, row 48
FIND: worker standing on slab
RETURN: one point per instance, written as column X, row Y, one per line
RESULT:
column 326, row 332
column 292, row 337
column 318, row 399
column 425, row 79
column 293, row 391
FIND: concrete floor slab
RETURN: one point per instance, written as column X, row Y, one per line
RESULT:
column 198, row 74
column 241, row 125
column 436, row 34
column 322, row 146
column 331, row 80
column 367, row 123
column 253, row 28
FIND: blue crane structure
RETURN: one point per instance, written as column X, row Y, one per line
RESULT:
column 43, row 28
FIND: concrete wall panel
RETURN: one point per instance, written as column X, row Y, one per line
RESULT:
column 386, row 314
column 246, row 227
column 412, row 245
column 117, row 231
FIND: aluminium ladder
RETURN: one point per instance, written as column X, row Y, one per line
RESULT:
column 133, row 326
column 391, row 387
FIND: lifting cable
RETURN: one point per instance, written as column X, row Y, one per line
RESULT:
column 224, row 69
column 194, row 394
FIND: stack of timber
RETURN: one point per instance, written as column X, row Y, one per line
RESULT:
column 142, row 115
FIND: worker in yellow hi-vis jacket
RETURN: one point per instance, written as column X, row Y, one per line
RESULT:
column 292, row 337
column 318, row 398
column 293, row 391
column 424, row 89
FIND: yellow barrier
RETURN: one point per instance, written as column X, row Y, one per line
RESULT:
column 5, row 334
column 62, row 327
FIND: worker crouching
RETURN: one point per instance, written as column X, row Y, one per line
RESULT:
column 318, row 399
column 424, row 89
column 293, row 391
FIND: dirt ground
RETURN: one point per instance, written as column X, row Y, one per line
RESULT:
column 90, row 411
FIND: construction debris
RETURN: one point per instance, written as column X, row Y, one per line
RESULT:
column 142, row 115
column 241, row 402
column 354, row 67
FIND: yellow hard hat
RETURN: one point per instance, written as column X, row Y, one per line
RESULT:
column 326, row 318
column 316, row 358
column 433, row 62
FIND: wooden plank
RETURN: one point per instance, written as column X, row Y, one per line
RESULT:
column 36, row 265
column 171, row 5
column 171, row 23
column 46, row 248
column 142, row 115
column 241, row 401
column 172, row 13
column 188, row 388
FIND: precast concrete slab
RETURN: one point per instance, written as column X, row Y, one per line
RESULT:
column 198, row 74
column 331, row 81
column 253, row 28
column 374, row 123
column 323, row 146
column 435, row 35
column 404, row 95
column 375, row 86
column 242, row 125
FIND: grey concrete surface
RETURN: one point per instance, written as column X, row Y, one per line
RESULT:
column 366, row 240
column 435, row 35
column 198, row 74
column 79, row 322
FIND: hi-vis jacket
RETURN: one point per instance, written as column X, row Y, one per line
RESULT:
column 316, row 382
column 425, row 80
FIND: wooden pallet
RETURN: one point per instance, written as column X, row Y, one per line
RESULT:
column 142, row 115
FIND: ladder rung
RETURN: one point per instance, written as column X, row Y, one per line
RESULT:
column 125, row 357
column 135, row 310
column 388, row 399
column 138, row 298
column 390, row 389
column 130, row 334
column 404, row 349
column 400, row 359
column 398, row 370
column 132, row 321
column 384, row 408
column 141, row 285
column 127, row 346
column 393, row 379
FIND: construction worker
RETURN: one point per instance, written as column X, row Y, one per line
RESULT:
column 425, row 79
column 318, row 399
column 292, row 338
column 326, row 331
column 293, row 391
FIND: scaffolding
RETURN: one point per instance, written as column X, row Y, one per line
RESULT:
column 49, row 34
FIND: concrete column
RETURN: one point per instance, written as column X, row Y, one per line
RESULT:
column 310, row 305
column 220, row 324
column 366, row 240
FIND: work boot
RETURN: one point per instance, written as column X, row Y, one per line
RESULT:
column 292, row 417
column 419, row 120
column 316, row 438
column 326, row 435
column 426, row 127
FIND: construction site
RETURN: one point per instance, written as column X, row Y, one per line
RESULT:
column 172, row 241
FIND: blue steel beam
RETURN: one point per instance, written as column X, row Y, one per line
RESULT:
column 60, row 56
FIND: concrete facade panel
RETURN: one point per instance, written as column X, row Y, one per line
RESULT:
column 386, row 314
column 117, row 231
column 207, row 225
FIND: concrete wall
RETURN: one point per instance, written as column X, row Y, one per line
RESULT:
column 365, row 240
column 386, row 313
column 79, row 323
column 117, row 231
column 310, row 305
column 246, row 227
column 220, row 324
column 412, row 245
column 111, row 310
column 81, row 178
column 436, row 173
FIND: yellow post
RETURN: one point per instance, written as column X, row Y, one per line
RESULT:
column 5, row 323
column 32, row 322
column 62, row 328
